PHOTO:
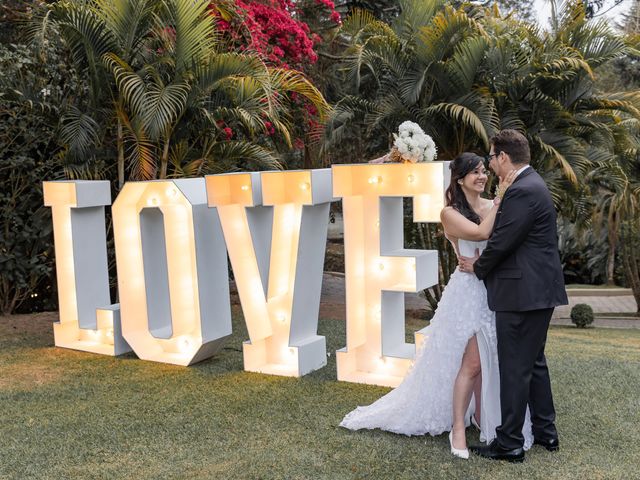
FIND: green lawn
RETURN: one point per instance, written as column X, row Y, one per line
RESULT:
column 67, row 414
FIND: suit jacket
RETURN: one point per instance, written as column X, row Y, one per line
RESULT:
column 521, row 263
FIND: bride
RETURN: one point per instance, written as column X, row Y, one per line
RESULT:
column 458, row 360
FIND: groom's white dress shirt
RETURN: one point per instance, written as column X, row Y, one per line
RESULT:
column 522, row 170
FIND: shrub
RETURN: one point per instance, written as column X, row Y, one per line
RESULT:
column 29, row 93
column 25, row 224
column 582, row 315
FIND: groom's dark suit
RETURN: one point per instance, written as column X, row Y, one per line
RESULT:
column 522, row 271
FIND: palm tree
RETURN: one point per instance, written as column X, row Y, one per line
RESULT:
column 421, row 67
column 465, row 73
column 155, row 69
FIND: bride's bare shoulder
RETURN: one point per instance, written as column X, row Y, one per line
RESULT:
column 448, row 211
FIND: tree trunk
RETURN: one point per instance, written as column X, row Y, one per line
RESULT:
column 120, row 142
column 611, row 261
column 164, row 161
column 634, row 273
column 631, row 261
column 306, row 162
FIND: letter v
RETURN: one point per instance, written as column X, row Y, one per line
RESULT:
column 275, row 228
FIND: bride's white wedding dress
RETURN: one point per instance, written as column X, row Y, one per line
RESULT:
column 423, row 402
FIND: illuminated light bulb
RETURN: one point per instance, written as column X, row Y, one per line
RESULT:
column 282, row 317
column 377, row 223
column 305, row 185
column 172, row 192
column 374, row 180
column 152, row 201
column 292, row 351
column 35, row 294
column 184, row 344
column 411, row 178
column 381, row 266
column 244, row 188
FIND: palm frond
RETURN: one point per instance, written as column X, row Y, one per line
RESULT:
column 463, row 64
column 463, row 116
column 79, row 132
column 129, row 22
column 194, row 32
column 239, row 155
column 162, row 106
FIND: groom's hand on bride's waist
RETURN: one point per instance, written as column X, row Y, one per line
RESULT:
column 465, row 264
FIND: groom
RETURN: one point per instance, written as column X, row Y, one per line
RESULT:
column 521, row 269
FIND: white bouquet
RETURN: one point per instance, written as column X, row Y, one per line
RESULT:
column 412, row 144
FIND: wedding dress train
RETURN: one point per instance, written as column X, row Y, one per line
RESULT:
column 423, row 402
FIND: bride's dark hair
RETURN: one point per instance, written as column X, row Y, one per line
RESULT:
column 460, row 167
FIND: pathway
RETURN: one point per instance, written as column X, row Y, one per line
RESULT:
column 332, row 304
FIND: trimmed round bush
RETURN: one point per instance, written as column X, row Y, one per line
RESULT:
column 582, row 315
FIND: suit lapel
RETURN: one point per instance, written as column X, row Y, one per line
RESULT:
column 522, row 175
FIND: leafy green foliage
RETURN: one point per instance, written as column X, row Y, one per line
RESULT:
column 464, row 73
column 25, row 223
column 137, row 87
column 33, row 85
column 156, row 80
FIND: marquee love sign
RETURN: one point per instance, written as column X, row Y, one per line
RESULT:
column 172, row 238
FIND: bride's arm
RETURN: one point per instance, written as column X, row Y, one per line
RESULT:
column 457, row 225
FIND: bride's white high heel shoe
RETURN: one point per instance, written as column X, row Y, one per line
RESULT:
column 456, row 451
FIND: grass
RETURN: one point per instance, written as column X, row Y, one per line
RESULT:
column 67, row 414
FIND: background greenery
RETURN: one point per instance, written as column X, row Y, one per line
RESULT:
column 143, row 89
column 68, row 414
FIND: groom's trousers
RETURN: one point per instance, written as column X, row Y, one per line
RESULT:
column 524, row 377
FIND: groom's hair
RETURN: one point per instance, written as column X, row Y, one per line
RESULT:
column 514, row 144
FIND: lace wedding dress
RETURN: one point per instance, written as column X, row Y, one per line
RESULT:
column 423, row 402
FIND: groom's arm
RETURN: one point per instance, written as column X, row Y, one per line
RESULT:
column 516, row 220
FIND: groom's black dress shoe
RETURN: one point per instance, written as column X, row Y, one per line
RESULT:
column 551, row 445
column 494, row 451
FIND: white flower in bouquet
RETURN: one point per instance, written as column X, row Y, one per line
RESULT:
column 413, row 144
